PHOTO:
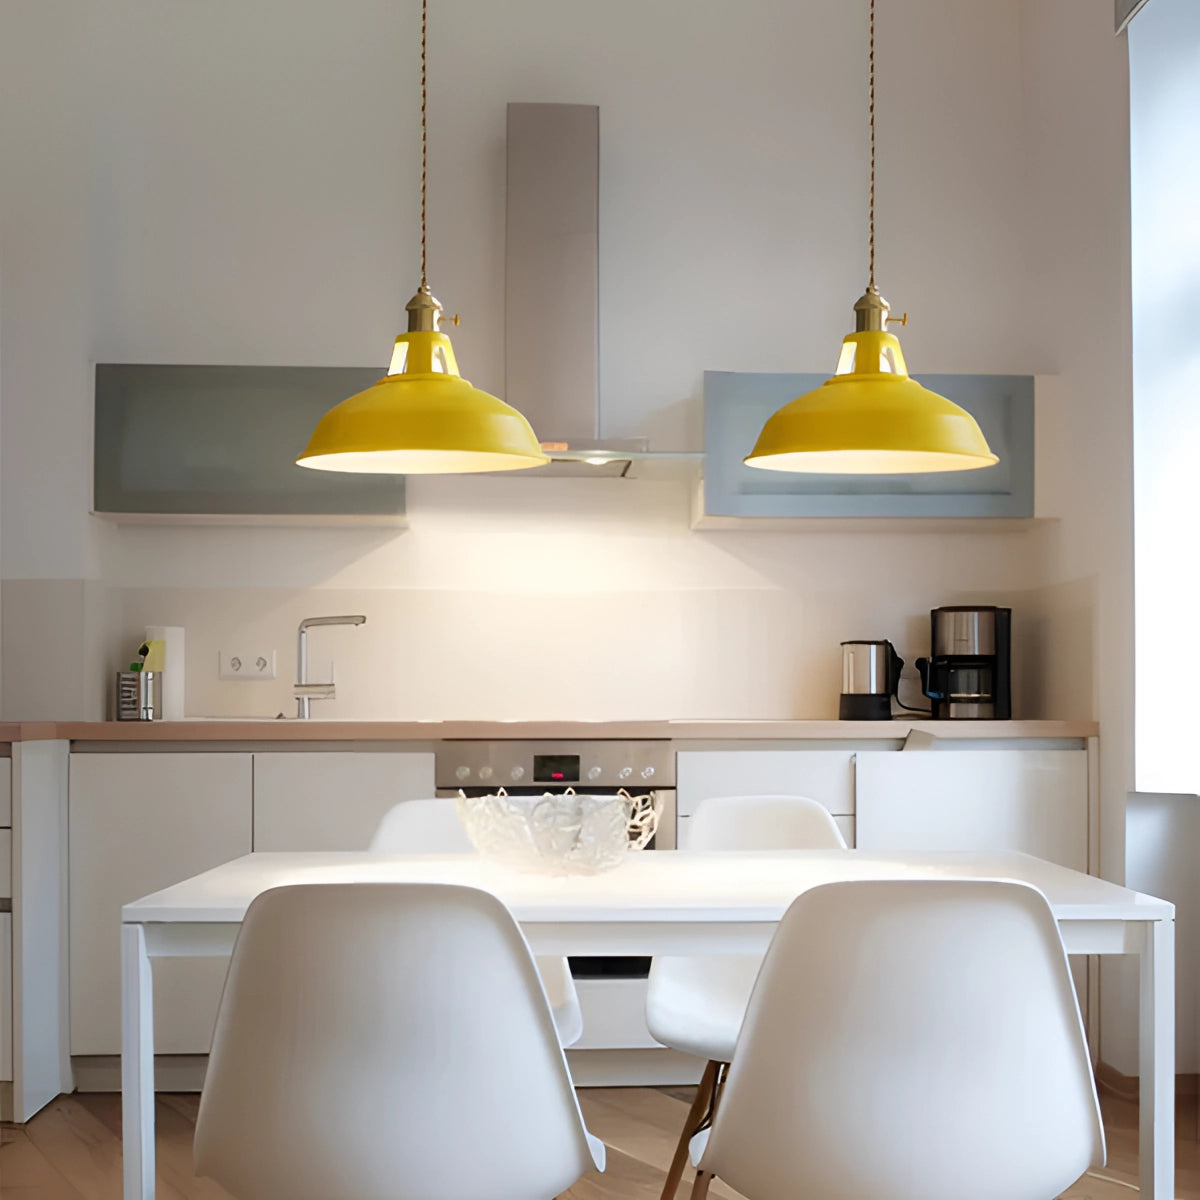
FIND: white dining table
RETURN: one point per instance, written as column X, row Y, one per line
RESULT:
column 667, row 902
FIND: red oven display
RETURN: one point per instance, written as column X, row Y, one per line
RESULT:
column 556, row 768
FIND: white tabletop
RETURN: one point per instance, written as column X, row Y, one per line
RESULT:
column 659, row 886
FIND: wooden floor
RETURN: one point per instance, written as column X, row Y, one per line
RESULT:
column 72, row 1150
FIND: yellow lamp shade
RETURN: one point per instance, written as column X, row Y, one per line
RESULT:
column 871, row 419
column 422, row 418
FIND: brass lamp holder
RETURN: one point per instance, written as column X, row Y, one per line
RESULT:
column 425, row 312
column 871, row 312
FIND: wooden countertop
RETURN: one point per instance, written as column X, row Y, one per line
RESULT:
column 234, row 730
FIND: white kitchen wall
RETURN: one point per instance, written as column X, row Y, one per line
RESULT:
column 1076, row 90
column 236, row 183
column 231, row 184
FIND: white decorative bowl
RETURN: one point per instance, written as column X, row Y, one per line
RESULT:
column 559, row 834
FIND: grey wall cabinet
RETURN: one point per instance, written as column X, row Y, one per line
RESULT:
column 196, row 442
column 736, row 404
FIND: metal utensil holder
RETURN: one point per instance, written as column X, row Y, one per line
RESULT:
column 139, row 695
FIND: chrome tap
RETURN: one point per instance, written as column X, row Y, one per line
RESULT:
column 305, row 691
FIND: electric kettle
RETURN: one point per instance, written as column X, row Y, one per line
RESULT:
column 870, row 678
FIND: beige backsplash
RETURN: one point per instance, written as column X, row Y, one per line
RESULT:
column 506, row 655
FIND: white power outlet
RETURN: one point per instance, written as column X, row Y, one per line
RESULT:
column 246, row 664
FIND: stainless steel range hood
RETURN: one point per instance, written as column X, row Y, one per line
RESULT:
column 552, row 275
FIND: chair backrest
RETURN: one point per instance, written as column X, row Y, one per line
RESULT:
column 917, row 1039
column 762, row 823
column 386, row 1041
column 422, row 827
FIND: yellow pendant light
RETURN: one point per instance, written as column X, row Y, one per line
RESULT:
column 871, row 418
column 422, row 417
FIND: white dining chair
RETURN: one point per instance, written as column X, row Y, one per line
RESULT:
column 432, row 827
column 696, row 1005
column 914, row 1039
column 356, row 1054
column 422, row 827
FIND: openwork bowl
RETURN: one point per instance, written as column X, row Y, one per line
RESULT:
column 559, row 834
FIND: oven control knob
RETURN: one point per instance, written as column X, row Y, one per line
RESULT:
column 647, row 772
column 485, row 773
column 624, row 772
column 463, row 772
column 593, row 772
column 517, row 773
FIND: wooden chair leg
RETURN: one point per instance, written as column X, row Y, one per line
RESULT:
column 700, row 1187
column 704, row 1094
column 718, row 1089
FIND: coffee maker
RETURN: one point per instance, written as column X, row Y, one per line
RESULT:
column 870, row 677
column 967, row 674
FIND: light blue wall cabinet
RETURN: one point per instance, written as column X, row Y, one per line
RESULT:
column 219, row 444
column 736, row 404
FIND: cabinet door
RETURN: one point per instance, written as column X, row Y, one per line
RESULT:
column 5, row 792
column 159, row 428
column 138, row 823
column 683, row 831
column 332, row 801
column 737, row 403
column 6, row 995
column 1029, row 800
column 826, row 776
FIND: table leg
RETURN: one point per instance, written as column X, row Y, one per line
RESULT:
column 1156, row 1061
column 137, row 1065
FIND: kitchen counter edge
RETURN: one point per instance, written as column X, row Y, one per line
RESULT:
column 234, row 730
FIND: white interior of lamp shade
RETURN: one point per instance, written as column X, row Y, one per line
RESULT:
column 869, row 462
column 399, row 361
column 849, row 358
column 419, row 462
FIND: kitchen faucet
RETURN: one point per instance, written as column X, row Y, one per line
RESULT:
column 305, row 691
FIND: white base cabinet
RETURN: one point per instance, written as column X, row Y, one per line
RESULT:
column 6, row 972
column 317, row 800
column 1035, row 801
column 6, row 997
column 139, row 822
column 826, row 776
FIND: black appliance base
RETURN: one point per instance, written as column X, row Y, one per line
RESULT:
column 864, row 708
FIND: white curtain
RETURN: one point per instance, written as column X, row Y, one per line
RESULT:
column 1164, row 136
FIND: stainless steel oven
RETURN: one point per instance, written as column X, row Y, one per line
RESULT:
column 597, row 767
